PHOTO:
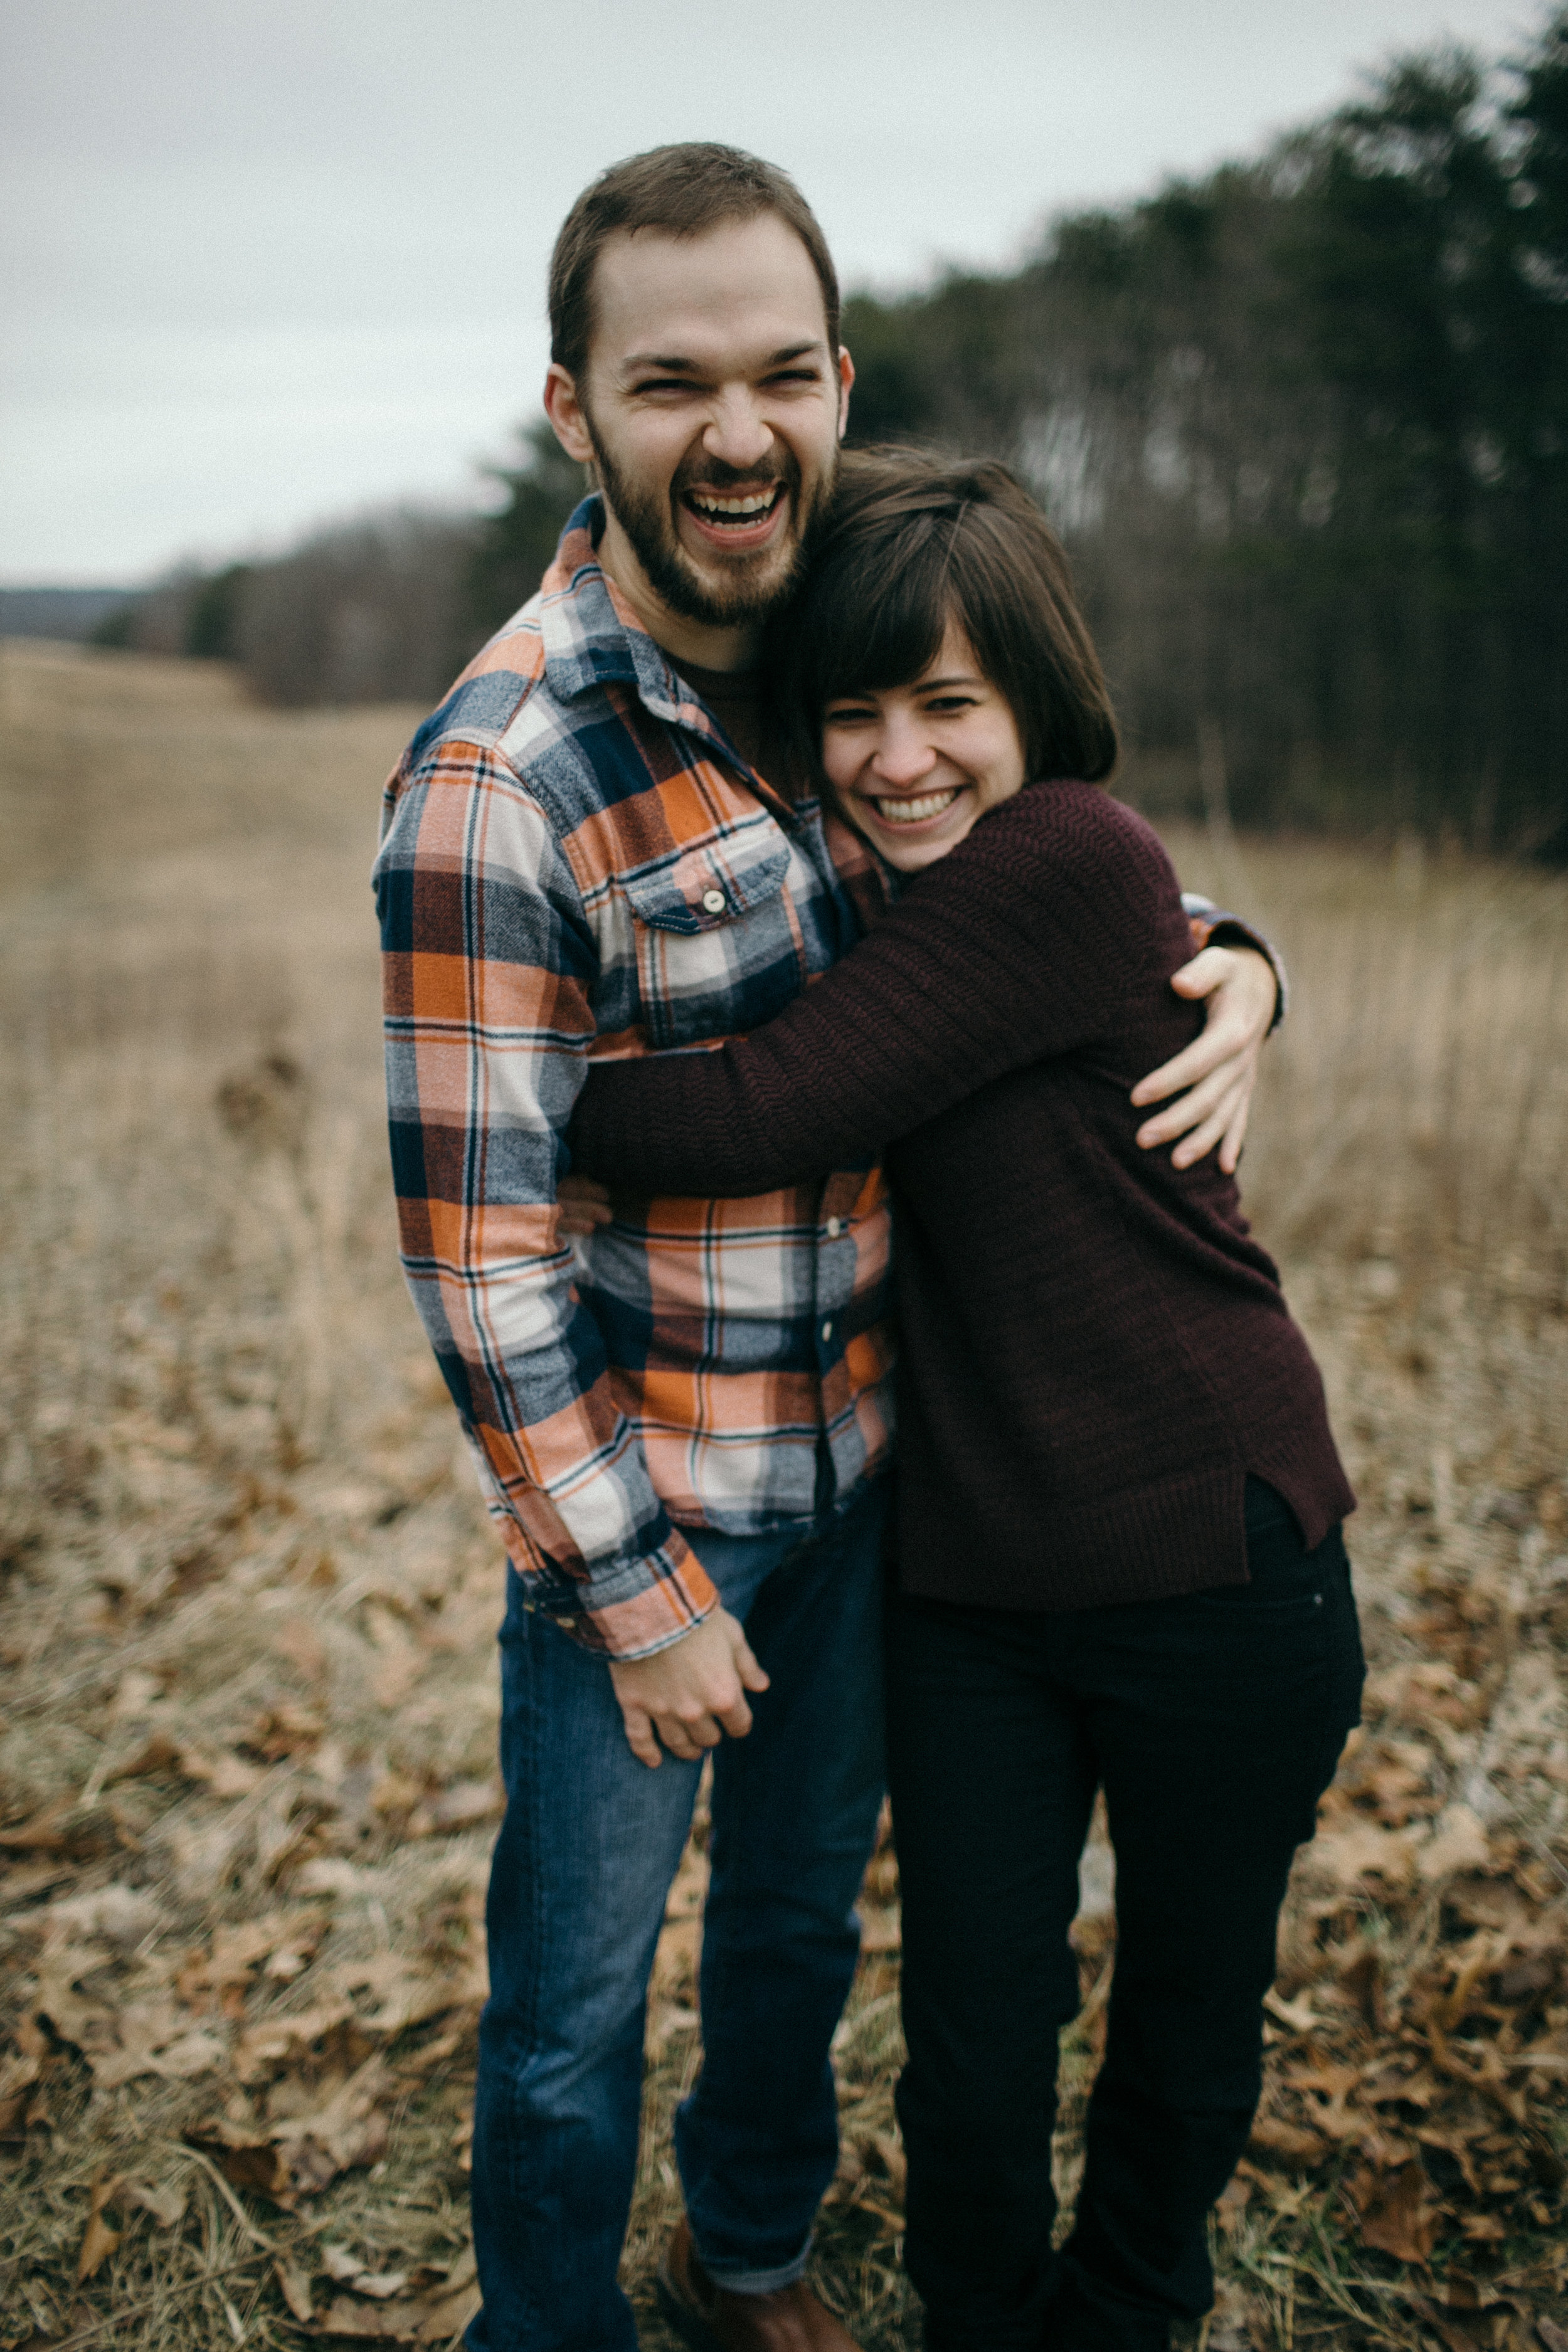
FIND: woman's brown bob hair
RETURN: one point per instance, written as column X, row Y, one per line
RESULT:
column 912, row 543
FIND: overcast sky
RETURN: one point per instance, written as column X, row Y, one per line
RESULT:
column 267, row 264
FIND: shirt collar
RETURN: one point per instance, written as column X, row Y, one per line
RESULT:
column 592, row 638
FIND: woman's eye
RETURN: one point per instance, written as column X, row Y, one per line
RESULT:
column 848, row 718
column 947, row 706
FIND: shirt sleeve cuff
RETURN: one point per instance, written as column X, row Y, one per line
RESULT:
column 677, row 1596
column 1212, row 927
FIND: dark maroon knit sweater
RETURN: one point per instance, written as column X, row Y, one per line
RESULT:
column 1093, row 1352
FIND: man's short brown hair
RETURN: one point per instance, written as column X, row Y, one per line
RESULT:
column 680, row 192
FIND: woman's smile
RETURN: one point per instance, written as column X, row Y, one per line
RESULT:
column 915, row 812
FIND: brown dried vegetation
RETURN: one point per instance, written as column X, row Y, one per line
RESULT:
column 246, row 1722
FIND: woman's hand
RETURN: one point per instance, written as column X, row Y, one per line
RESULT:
column 584, row 1206
column 1220, row 1069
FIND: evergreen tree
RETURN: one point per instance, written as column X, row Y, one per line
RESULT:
column 517, row 544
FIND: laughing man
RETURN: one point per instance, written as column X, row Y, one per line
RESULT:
column 595, row 846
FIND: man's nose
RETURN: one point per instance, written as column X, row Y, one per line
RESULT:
column 903, row 755
column 738, row 434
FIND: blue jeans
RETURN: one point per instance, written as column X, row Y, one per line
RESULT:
column 583, row 1866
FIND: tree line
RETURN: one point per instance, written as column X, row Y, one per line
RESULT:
column 1303, row 424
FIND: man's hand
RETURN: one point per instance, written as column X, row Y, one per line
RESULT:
column 584, row 1204
column 1221, row 1066
column 689, row 1694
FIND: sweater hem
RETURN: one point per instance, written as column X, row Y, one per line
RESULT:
column 1152, row 1543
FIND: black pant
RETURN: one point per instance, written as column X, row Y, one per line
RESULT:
column 1213, row 1723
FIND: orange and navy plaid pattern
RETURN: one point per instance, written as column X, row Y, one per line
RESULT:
column 575, row 861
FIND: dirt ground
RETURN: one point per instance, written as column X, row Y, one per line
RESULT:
column 248, row 1597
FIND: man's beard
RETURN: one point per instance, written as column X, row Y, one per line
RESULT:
column 758, row 587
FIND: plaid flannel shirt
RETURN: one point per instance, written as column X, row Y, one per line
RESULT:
column 575, row 861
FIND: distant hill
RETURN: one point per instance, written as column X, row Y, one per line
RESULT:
column 69, row 612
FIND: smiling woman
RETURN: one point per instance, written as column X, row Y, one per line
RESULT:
column 914, row 766
column 930, row 720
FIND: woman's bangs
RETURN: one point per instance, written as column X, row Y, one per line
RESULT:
column 879, row 618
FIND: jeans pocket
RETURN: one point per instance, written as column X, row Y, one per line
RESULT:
column 1288, row 1596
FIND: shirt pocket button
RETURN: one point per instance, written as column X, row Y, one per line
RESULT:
column 714, row 901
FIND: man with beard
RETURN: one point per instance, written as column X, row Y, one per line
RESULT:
column 596, row 846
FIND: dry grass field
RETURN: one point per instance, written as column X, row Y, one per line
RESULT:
column 248, row 1596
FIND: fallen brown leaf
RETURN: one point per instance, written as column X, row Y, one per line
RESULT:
column 408, row 1994
column 298, row 1642
column 63, row 1828
column 435, row 2315
column 295, row 2286
column 1361, row 1850
column 158, row 1755
column 1271, row 2136
column 1457, row 1842
column 346, row 2270
column 1395, row 2212
column 224, row 1772
column 1363, row 1978
column 41, row 1835
column 164, row 2203
column 299, row 2155
column 99, row 2240
column 286, row 1730
column 1231, row 2328
column 1298, row 2015
column 21, row 1881
column 278, row 2041
column 882, row 1930
column 19, row 2077
column 1233, row 2203
column 145, row 2037
column 889, row 2147
column 124, row 1914
column 675, row 1956
column 369, row 2322
column 463, row 1806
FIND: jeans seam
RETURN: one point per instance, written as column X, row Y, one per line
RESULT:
column 523, row 2032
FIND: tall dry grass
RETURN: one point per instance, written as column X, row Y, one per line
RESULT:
column 248, row 1716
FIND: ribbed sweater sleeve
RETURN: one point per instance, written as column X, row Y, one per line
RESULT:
column 1024, row 942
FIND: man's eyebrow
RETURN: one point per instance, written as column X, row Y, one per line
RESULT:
column 674, row 363
column 663, row 362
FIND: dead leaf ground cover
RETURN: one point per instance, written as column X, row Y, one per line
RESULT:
column 247, row 1711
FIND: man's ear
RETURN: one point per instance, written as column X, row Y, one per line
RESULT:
column 567, row 415
column 846, row 378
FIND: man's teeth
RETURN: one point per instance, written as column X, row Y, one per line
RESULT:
column 916, row 812
column 754, row 502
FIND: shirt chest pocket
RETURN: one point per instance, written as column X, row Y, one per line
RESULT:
column 718, row 941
